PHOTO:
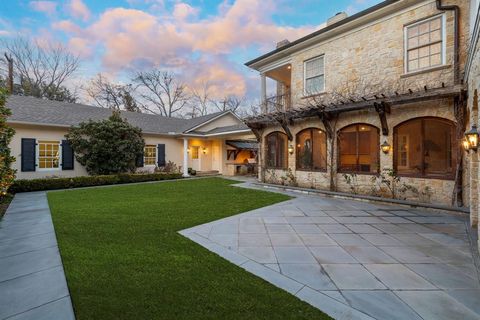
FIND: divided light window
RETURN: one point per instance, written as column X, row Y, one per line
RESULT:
column 314, row 75
column 48, row 154
column 150, row 155
column 311, row 150
column 424, row 44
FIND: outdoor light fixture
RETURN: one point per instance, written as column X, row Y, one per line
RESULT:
column 290, row 149
column 188, row 150
column 472, row 138
column 466, row 145
column 385, row 147
column 204, row 150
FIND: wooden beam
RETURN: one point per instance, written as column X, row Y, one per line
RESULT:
column 382, row 110
column 284, row 124
column 325, row 118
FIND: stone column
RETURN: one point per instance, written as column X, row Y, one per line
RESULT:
column 473, row 188
column 263, row 92
column 185, row 157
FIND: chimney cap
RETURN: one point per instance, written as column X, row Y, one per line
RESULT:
column 282, row 43
column 337, row 17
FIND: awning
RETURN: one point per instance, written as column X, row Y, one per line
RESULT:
column 243, row 144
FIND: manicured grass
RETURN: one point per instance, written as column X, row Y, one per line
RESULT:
column 125, row 260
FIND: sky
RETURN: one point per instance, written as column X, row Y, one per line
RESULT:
column 204, row 42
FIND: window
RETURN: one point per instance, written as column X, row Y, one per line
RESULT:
column 48, row 154
column 150, row 155
column 311, row 149
column 358, row 149
column 195, row 152
column 424, row 147
column 276, row 156
column 314, row 75
column 424, row 44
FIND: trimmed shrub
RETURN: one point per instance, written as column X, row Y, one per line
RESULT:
column 88, row 181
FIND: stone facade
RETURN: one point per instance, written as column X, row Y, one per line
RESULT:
column 369, row 58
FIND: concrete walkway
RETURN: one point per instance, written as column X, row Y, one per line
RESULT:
column 32, row 280
column 355, row 260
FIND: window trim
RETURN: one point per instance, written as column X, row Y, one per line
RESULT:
column 454, row 146
column 305, row 93
column 339, row 170
column 285, row 151
column 144, row 157
column 37, row 155
column 313, row 150
column 443, row 41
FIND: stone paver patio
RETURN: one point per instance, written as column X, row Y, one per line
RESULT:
column 355, row 260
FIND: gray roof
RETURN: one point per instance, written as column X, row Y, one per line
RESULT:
column 40, row 111
column 243, row 144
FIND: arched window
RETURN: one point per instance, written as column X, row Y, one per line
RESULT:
column 358, row 149
column 276, row 155
column 425, row 147
column 311, row 149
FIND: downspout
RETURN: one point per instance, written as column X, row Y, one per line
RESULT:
column 456, row 57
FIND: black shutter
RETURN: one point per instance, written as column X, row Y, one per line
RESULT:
column 67, row 156
column 161, row 155
column 28, row 154
column 139, row 161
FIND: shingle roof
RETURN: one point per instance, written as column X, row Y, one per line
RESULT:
column 41, row 111
column 243, row 144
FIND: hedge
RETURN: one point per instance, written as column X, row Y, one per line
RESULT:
column 87, row 181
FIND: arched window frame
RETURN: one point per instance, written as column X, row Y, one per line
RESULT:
column 377, row 149
column 423, row 174
column 297, row 154
column 277, row 134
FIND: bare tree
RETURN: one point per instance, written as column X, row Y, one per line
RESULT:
column 41, row 69
column 200, row 101
column 111, row 95
column 162, row 93
column 231, row 103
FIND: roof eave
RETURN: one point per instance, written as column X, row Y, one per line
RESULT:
column 254, row 63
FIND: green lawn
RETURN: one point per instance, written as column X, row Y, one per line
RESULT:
column 125, row 260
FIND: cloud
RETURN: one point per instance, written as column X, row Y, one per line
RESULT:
column 78, row 10
column 47, row 7
column 182, row 41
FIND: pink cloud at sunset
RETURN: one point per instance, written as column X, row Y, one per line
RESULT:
column 129, row 39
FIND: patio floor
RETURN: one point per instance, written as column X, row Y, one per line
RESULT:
column 355, row 260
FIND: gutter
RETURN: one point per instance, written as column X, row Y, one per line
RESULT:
column 456, row 56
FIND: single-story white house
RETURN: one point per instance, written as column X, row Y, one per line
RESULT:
column 218, row 142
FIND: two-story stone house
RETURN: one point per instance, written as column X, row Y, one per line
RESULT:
column 380, row 92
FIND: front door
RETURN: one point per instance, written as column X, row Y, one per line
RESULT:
column 196, row 158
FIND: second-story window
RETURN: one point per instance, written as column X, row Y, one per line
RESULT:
column 314, row 76
column 424, row 44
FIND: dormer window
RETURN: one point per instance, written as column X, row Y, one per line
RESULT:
column 424, row 44
column 314, row 76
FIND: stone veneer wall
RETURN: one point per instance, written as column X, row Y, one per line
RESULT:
column 442, row 190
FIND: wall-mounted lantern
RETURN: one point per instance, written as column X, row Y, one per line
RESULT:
column 188, row 150
column 204, row 150
column 471, row 137
column 290, row 149
column 385, row 147
column 466, row 145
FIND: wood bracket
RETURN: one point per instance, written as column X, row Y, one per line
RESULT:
column 233, row 153
column 382, row 109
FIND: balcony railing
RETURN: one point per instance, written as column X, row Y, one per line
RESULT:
column 280, row 102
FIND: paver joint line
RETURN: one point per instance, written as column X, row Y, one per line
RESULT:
column 363, row 265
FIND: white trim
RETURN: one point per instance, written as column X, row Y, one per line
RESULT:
column 213, row 119
column 216, row 134
column 305, row 93
column 475, row 35
column 444, row 43
column 37, row 156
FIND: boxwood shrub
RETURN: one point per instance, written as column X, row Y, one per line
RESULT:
column 88, row 181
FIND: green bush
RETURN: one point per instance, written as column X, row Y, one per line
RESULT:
column 87, row 181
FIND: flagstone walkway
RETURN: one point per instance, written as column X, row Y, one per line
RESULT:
column 355, row 260
column 32, row 280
